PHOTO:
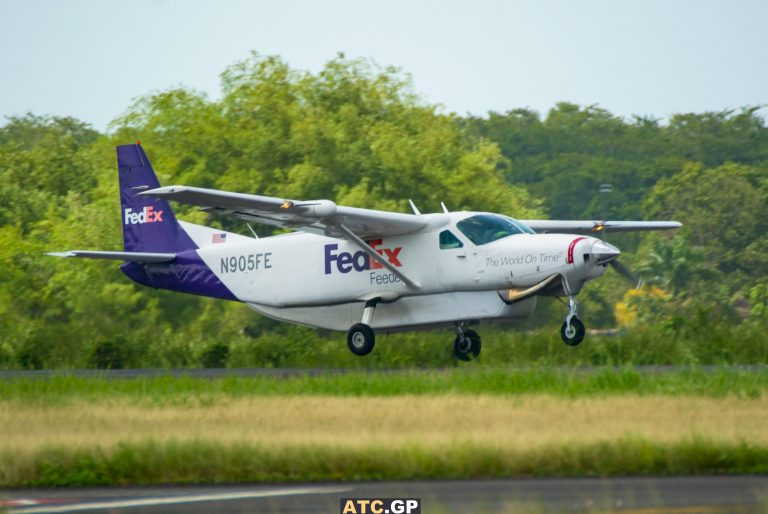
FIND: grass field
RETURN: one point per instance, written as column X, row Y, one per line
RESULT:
column 487, row 423
column 569, row 382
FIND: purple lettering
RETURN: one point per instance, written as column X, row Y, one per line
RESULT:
column 344, row 262
column 330, row 256
column 360, row 261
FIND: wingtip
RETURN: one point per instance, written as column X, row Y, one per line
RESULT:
column 60, row 254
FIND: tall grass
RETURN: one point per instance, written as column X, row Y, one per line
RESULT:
column 149, row 462
column 523, row 421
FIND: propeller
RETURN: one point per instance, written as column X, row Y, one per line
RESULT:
column 614, row 262
column 626, row 273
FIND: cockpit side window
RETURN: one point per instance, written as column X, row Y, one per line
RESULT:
column 449, row 241
column 486, row 228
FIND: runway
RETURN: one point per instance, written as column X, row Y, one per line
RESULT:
column 116, row 374
column 720, row 494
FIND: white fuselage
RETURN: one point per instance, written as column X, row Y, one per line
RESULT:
column 321, row 281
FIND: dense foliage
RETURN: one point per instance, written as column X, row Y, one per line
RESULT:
column 359, row 134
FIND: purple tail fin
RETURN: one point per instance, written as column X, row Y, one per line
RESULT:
column 149, row 224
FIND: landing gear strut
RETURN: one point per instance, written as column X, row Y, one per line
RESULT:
column 573, row 329
column 360, row 337
column 467, row 344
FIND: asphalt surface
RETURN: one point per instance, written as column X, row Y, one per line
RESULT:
column 720, row 494
column 296, row 372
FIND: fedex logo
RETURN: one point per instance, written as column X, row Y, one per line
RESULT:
column 146, row 215
column 359, row 261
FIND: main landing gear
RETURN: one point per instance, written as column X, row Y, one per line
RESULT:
column 573, row 329
column 360, row 337
column 467, row 345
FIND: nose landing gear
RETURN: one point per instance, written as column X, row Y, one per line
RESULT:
column 573, row 329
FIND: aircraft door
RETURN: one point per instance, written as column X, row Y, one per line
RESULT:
column 459, row 262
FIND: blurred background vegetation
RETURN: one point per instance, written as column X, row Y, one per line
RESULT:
column 359, row 134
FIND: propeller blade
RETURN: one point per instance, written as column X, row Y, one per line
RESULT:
column 624, row 272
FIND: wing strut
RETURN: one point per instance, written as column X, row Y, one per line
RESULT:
column 375, row 255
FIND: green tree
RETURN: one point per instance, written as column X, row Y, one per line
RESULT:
column 353, row 132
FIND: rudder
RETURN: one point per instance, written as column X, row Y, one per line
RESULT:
column 149, row 224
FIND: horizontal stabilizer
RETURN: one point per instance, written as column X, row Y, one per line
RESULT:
column 118, row 256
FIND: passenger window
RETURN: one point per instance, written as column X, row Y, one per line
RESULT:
column 449, row 241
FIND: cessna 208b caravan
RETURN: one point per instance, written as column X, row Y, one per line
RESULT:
column 362, row 271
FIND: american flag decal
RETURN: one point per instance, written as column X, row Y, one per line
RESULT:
column 219, row 238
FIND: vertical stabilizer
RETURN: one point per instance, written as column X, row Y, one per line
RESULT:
column 149, row 224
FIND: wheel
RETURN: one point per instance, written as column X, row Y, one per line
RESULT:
column 361, row 339
column 469, row 348
column 574, row 334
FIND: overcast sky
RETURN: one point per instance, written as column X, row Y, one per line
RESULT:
column 89, row 59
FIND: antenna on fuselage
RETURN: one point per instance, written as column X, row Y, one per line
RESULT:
column 413, row 207
column 445, row 209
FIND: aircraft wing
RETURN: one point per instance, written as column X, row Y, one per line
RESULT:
column 319, row 216
column 592, row 226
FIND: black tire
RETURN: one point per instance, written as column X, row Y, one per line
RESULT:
column 470, row 349
column 361, row 339
column 576, row 335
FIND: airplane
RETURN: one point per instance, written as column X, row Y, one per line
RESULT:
column 359, row 271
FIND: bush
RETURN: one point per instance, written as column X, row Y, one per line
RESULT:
column 109, row 354
column 215, row 356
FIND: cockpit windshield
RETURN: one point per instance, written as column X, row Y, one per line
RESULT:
column 485, row 228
